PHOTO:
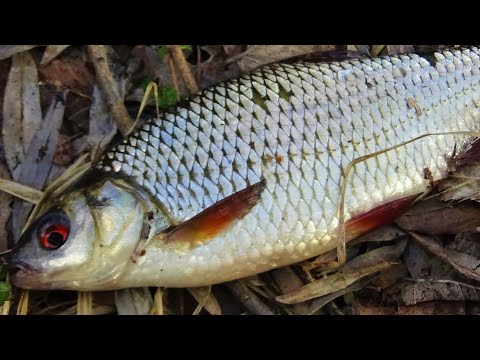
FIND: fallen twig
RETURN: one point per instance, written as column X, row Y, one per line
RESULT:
column 98, row 56
column 248, row 298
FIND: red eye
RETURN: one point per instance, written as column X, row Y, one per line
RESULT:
column 52, row 236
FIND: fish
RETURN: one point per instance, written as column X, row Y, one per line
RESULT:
column 245, row 176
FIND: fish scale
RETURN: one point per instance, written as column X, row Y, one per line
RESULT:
column 298, row 126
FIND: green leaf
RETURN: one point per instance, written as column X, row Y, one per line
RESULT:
column 187, row 48
column 161, row 51
column 143, row 85
column 167, row 97
column 5, row 290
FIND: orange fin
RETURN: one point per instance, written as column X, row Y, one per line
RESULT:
column 217, row 217
column 381, row 215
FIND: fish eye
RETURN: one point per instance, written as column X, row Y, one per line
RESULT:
column 54, row 231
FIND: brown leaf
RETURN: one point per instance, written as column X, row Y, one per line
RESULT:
column 354, row 270
column 12, row 116
column 38, row 160
column 464, row 184
column 248, row 298
column 68, row 73
column 204, row 295
column 320, row 302
column 465, row 264
column 63, row 154
column 258, row 55
column 359, row 309
column 135, row 301
column 433, row 308
column 436, row 217
column 399, row 49
column 428, row 290
column 9, row 50
column 390, row 276
column 51, row 52
column 287, row 281
column 5, row 209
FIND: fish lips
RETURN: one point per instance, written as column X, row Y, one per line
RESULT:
column 22, row 274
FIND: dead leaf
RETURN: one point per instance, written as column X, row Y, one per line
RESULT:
column 287, row 281
column 38, row 160
column 109, row 87
column 381, row 234
column 32, row 112
column 248, row 298
column 465, row 264
column 12, row 117
column 354, row 270
column 359, row 309
column 51, row 52
column 399, row 49
column 5, row 210
column 422, row 290
column 258, row 55
column 433, row 308
column 9, row 50
column 63, row 153
column 389, row 277
column 375, row 50
column 204, row 295
column 320, row 302
column 68, row 73
column 436, row 217
column 102, row 125
column 134, row 301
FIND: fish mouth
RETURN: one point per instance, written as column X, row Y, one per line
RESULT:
column 23, row 274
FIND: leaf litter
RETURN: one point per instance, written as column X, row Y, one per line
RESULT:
column 379, row 276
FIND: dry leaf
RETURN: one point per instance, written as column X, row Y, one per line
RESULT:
column 135, row 301
column 464, row 184
column 287, row 281
column 12, row 117
column 258, row 55
column 248, row 298
column 433, row 308
column 51, row 52
column 465, row 264
column 102, row 125
column 399, row 49
column 436, row 217
column 32, row 112
column 38, row 160
column 204, row 295
column 5, row 210
column 320, row 302
column 354, row 270
column 359, row 309
column 68, row 73
column 9, row 50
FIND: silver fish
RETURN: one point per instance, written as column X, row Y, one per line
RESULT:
column 244, row 177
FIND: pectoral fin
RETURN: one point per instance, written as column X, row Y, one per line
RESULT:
column 216, row 218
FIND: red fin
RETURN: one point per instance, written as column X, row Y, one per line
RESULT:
column 381, row 215
column 217, row 217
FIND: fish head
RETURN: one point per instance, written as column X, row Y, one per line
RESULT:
column 83, row 242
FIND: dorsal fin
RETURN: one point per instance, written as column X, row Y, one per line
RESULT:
column 211, row 221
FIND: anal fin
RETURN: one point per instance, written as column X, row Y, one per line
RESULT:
column 378, row 216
